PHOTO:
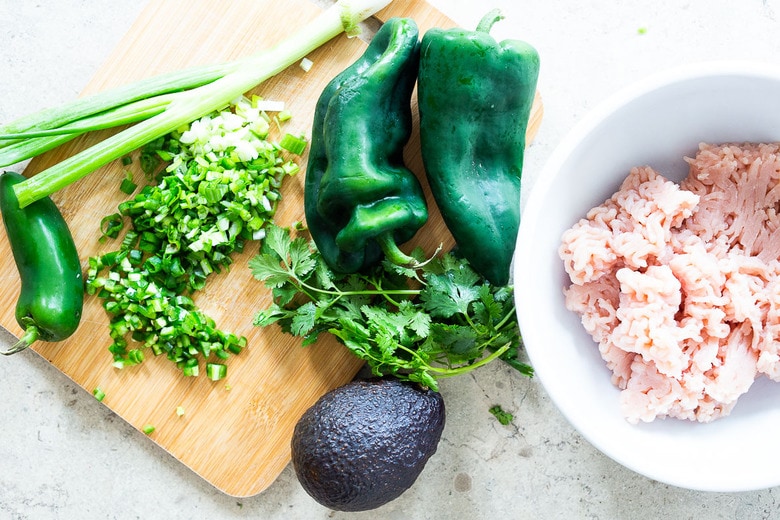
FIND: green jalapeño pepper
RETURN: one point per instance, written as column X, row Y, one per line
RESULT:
column 475, row 97
column 52, row 293
column 360, row 199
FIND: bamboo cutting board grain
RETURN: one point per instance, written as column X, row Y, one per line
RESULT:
column 235, row 433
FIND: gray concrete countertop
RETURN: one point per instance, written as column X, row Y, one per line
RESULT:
column 65, row 455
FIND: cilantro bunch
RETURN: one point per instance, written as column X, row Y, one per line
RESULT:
column 438, row 319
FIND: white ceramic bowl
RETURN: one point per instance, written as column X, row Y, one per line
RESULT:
column 657, row 122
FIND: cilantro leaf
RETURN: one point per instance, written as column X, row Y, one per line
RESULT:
column 450, row 292
column 458, row 340
column 304, row 319
column 266, row 317
column 267, row 268
column 277, row 240
column 503, row 417
column 284, row 294
column 301, row 261
column 418, row 321
column 488, row 309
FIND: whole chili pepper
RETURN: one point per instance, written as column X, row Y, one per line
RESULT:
column 475, row 97
column 359, row 198
column 52, row 293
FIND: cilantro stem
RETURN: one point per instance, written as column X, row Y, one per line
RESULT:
column 507, row 317
column 392, row 301
column 339, row 293
column 450, row 372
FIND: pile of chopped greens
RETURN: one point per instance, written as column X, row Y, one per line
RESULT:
column 436, row 320
column 219, row 188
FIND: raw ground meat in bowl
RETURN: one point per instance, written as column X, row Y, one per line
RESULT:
column 617, row 385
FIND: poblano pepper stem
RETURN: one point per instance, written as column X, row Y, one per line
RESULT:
column 487, row 21
column 475, row 97
column 360, row 199
column 391, row 250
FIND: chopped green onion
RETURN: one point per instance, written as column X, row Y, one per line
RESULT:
column 148, row 429
column 127, row 160
column 218, row 180
column 180, row 411
column 111, row 225
column 267, row 105
column 306, row 64
column 128, row 186
column 293, row 144
column 283, row 116
column 98, row 393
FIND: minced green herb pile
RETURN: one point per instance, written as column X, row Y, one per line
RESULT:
column 219, row 188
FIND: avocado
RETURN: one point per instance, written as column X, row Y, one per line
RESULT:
column 365, row 443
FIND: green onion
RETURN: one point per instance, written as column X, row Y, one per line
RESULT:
column 99, row 394
column 306, row 64
column 148, row 429
column 111, row 225
column 180, row 411
column 284, row 116
column 211, row 88
column 293, row 144
column 128, row 186
column 219, row 190
column 16, row 147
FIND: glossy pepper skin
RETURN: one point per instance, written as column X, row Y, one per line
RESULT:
column 475, row 97
column 52, row 293
column 360, row 199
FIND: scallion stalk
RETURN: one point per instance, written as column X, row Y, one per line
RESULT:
column 80, row 108
column 125, row 114
column 187, row 105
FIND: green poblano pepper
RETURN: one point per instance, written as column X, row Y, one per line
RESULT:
column 475, row 97
column 359, row 198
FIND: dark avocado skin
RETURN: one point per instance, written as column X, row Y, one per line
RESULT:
column 365, row 443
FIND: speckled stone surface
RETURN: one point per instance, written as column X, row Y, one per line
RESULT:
column 64, row 455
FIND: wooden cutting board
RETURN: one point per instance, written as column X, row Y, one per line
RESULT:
column 235, row 433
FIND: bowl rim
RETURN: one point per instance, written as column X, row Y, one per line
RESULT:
column 534, row 206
